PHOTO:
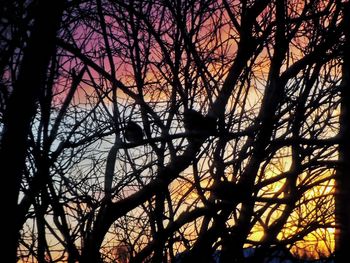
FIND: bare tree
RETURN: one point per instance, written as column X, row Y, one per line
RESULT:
column 186, row 130
column 28, row 81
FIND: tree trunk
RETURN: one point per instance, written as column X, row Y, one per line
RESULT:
column 19, row 113
column 342, row 212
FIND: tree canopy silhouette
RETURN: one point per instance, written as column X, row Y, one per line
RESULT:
column 167, row 131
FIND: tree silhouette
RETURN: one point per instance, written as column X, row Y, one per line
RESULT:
column 22, row 97
column 343, row 183
column 175, row 130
